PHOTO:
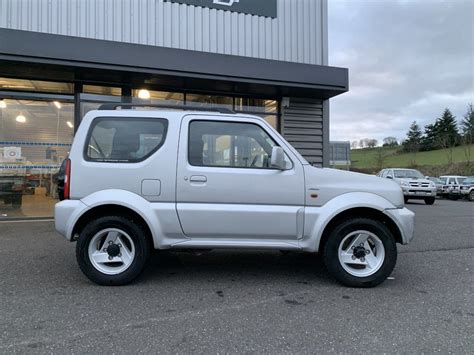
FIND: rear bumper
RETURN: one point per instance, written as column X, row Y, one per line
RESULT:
column 66, row 214
column 405, row 220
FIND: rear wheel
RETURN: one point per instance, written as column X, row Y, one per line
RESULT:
column 430, row 200
column 112, row 250
column 360, row 252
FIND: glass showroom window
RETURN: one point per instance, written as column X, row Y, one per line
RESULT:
column 267, row 109
column 35, row 136
column 102, row 90
column 145, row 96
column 246, row 104
column 36, row 86
column 93, row 96
column 210, row 101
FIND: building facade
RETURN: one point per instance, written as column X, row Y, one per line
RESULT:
column 60, row 59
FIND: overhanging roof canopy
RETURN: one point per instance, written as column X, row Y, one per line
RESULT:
column 55, row 57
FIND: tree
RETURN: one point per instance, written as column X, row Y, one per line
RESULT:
column 390, row 142
column 414, row 136
column 430, row 138
column 447, row 133
column 354, row 144
column 372, row 143
column 364, row 143
column 467, row 126
column 447, row 130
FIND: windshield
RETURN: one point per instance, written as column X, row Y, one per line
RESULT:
column 408, row 174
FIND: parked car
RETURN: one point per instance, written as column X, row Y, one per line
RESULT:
column 438, row 183
column 137, row 180
column 452, row 186
column 467, row 188
column 413, row 183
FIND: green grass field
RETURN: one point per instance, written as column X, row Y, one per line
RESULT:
column 368, row 158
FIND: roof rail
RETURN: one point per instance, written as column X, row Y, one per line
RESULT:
column 114, row 106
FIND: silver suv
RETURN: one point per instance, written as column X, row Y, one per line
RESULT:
column 414, row 185
column 141, row 180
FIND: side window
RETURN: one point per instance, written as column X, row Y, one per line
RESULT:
column 229, row 144
column 124, row 140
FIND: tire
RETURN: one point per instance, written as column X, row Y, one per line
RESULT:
column 135, row 240
column 430, row 200
column 386, row 262
column 471, row 196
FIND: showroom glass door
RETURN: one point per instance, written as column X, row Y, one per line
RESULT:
column 35, row 136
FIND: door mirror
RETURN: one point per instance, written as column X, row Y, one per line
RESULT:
column 389, row 177
column 277, row 160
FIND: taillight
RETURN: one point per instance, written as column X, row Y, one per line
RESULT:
column 67, row 180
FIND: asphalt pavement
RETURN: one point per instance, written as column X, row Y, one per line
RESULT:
column 241, row 301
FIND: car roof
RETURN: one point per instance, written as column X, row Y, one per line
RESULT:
column 402, row 168
column 164, row 113
column 168, row 112
column 452, row 176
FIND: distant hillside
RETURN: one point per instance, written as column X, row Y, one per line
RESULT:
column 369, row 159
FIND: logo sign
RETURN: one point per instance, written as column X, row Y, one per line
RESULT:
column 12, row 152
column 267, row 8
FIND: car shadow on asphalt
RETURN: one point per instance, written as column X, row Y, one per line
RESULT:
column 224, row 265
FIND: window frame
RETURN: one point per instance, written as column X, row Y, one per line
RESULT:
column 99, row 119
column 234, row 167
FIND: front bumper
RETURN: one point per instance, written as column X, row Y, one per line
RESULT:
column 451, row 191
column 405, row 220
column 420, row 192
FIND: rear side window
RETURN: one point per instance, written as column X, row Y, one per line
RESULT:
column 124, row 140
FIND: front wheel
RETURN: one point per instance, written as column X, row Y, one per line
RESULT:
column 430, row 200
column 360, row 252
column 471, row 195
column 112, row 250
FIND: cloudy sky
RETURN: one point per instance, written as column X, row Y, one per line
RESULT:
column 407, row 60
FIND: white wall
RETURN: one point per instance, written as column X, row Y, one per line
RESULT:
column 298, row 34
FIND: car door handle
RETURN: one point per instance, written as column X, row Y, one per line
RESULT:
column 198, row 178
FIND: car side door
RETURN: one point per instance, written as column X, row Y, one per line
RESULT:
column 225, row 186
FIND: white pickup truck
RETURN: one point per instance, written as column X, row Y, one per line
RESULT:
column 179, row 179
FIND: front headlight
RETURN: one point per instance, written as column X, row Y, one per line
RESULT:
column 404, row 184
column 432, row 184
